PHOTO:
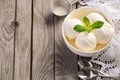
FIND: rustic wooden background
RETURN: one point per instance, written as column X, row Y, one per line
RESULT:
column 31, row 45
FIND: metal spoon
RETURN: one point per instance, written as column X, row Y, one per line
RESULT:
column 92, row 75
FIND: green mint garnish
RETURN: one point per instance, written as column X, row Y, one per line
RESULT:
column 79, row 28
column 86, row 21
column 97, row 24
column 87, row 26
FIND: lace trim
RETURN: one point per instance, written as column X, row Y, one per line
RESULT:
column 109, row 59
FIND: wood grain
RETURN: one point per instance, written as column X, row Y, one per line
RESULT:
column 23, row 40
column 66, row 67
column 43, row 41
column 7, row 10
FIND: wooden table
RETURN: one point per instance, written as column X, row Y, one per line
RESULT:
column 31, row 44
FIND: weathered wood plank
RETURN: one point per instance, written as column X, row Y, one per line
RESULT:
column 7, row 11
column 23, row 40
column 43, row 41
column 66, row 67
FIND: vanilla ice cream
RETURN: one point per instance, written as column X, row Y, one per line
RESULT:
column 86, row 41
column 69, row 28
column 95, row 17
column 104, row 34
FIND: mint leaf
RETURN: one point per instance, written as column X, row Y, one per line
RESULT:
column 86, row 21
column 97, row 24
column 79, row 28
column 87, row 26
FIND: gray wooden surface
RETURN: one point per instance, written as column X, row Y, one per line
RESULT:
column 31, row 44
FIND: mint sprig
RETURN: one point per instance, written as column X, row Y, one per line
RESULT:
column 79, row 28
column 87, row 26
column 86, row 21
column 97, row 24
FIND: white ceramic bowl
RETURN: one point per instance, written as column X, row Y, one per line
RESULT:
column 80, row 13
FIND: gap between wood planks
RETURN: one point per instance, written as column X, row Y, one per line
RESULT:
column 31, row 60
column 15, row 21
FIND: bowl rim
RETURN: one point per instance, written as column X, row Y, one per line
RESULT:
column 88, row 52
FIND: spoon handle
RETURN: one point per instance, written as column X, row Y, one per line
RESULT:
column 112, row 77
column 95, row 70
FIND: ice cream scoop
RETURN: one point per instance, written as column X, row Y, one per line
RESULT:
column 104, row 34
column 86, row 41
column 69, row 27
column 95, row 17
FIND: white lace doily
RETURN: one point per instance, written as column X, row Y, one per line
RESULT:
column 109, row 59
